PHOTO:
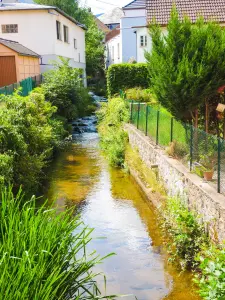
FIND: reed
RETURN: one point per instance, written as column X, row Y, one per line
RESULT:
column 43, row 253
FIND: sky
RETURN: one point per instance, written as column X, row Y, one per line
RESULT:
column 97, row 6
column 101, row 6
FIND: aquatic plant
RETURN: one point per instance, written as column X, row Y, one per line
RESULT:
column 43, row 253
column 185, row 235
column 211, row 280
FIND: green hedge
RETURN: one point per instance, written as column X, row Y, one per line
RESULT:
column 124, row 76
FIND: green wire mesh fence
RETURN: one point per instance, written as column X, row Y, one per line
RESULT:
column 27, row 85
column 200, row 151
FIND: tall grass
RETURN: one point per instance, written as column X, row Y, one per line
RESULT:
column 43, row 253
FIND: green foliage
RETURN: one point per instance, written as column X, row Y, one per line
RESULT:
column 28, row 136
column 63, row 88
column 93, row 36
column 140, row 95
column 112, row 117
column 94, row 51
column 124, row 76
column 187, row 65
column 185, row 234
column 43, row 253
column 211, row 280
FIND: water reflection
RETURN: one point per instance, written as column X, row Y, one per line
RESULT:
column 111, row 202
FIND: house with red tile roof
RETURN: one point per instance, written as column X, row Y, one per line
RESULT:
column 160, row 10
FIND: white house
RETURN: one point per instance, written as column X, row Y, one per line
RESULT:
column 113, row 47
column 46, row 30
column 121, row 41
column 159, row 11
column 134, row 15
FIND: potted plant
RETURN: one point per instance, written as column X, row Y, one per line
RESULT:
column 208, row 163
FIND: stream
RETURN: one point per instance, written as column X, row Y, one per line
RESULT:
column 110, row 201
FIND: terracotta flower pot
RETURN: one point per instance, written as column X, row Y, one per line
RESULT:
column 208, row 175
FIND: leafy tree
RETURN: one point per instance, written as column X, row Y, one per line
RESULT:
column 94, row 37
column 187, row 65
column 63, row 88
column 68, row 6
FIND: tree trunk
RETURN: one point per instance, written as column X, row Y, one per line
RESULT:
column 206, row 117
column 196, row 119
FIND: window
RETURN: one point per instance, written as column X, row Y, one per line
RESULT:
column 75, row 43
column 10, row 28
column 118, row 50
column 66, row 33
column 143, row 40
column 58, row 30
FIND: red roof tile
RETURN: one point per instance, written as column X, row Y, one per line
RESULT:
column 210, row 9
column 113, row 33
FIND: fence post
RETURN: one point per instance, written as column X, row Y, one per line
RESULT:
column 146, row 121
column 138, row 115
column 219, row 165
column 131, row 111
column 171, row 131
column 157, row 128
column 191, row 149
column 6, row 90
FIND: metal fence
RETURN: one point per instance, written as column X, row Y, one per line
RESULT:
column 27, row 85
column 195, row 148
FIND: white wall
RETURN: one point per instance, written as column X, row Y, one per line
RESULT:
column 141, row 50
column 129, row 13
column 132, row 18
column 116, row 44
column 37, row 31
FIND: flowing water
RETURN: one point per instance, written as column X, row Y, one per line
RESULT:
column 111, row 202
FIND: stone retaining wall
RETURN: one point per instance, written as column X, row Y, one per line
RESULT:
column 178, row 181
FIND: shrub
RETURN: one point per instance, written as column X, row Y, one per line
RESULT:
column 211, row 280
column 43, row 253
column 140, row 95
column 124, row 76
column 185, row 234
column 63, row 88
column 112, row 118
column 28, row 136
